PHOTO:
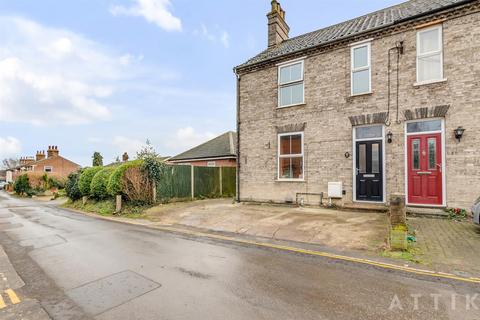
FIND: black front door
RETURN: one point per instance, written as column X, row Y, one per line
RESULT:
column 369, row 171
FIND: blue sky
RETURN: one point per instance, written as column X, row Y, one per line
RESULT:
column 105, row 75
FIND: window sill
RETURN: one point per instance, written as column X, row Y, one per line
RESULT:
column 361, row 94
column 292, row 105
column 290, row 180
column 424, row 83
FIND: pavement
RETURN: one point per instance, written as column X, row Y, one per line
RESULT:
column 80, row 267
column 448, row 245
column 339, row 229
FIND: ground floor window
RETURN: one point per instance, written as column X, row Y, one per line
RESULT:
column 290, row 156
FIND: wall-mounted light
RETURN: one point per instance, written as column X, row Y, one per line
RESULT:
column 459, row 133
column 389, row 137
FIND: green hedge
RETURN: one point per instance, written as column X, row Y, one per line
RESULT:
column 86, row 180
column 98, row 186
column 22, row 185
column 114, row 186
column 71, row 186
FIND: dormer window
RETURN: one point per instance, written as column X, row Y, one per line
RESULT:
column 290, row 84
column 361, row 69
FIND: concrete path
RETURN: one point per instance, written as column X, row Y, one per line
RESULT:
column 117, row 271
column 342, row 230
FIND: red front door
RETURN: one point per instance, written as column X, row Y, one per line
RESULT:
column 425, row 169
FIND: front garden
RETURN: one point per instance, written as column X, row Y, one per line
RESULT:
column 144, row 183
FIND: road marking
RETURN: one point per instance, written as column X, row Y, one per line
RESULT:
column 13, row 296
column 431, row 274
column 2, row 303
column 323, row 254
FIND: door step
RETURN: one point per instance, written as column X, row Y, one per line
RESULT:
column 372, row 207
column 427, row 212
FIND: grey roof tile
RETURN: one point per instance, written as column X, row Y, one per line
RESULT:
column 221, row 146
column 375, row 20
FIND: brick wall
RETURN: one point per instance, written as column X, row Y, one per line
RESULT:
column 218, row 163
column 328, row 131
column 61, row 166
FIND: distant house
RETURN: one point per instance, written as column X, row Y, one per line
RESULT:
column 51, row 162
column 218, row 152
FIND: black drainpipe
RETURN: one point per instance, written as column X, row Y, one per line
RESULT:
column 238, row 135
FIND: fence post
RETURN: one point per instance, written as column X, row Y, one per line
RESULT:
column 221, row 183
column 154, row 192
column 118, row 203
column 193, row 182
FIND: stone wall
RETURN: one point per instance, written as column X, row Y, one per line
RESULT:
column 329, row 108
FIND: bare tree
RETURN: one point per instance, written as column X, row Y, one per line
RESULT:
column 10, row 163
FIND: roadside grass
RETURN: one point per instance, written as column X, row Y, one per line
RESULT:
column 107, row 208
column 412, row 254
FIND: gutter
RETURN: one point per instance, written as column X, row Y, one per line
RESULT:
column 258, row 64
column 238, row 134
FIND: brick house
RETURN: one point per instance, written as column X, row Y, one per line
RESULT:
column 51, row 163
column 384, row 103
column 217, row 152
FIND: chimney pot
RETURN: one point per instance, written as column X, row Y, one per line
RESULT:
column 278, row 28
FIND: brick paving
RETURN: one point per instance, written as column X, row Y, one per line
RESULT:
column 447, row 245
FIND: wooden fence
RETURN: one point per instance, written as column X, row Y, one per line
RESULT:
column 183, row 182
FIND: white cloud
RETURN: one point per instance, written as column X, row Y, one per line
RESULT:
column 9, row 147
column 225, row 39
column 129, row 145
column 154, row 11
column 50, row 75
column 215, row 36
column 186, row 138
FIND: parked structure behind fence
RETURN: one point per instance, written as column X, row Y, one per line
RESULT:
column 189, row 182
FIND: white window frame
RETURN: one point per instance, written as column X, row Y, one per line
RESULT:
column 444, row 161
column 279, row 156
column 49, row 167
column 423, row 55
column 211, row 164
column 282, row 85
column 368, row 67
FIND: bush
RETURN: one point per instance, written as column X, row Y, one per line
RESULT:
column 71, row 186
column 85, row 180
column 22, row 185
column 114, row 186
column 98, row 187
column 136, row 186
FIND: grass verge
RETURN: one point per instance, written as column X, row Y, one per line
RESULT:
column 107, row 208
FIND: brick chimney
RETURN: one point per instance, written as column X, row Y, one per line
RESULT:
column 277, row 26
column 52, row 151
column 125, row 157
column 26, row 160
column 40, row 155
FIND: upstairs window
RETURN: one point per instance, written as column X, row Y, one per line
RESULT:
column 429, row 54
column 290, row 84
column 48, row 169
column 361, row 69
column 290, row 156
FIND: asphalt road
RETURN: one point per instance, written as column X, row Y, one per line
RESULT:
column 80, row 267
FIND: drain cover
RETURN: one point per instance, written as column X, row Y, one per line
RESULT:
column 106, row 293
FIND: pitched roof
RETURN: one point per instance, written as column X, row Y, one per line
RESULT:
column 372, row 21
column 221, row 146
column 46, row 160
